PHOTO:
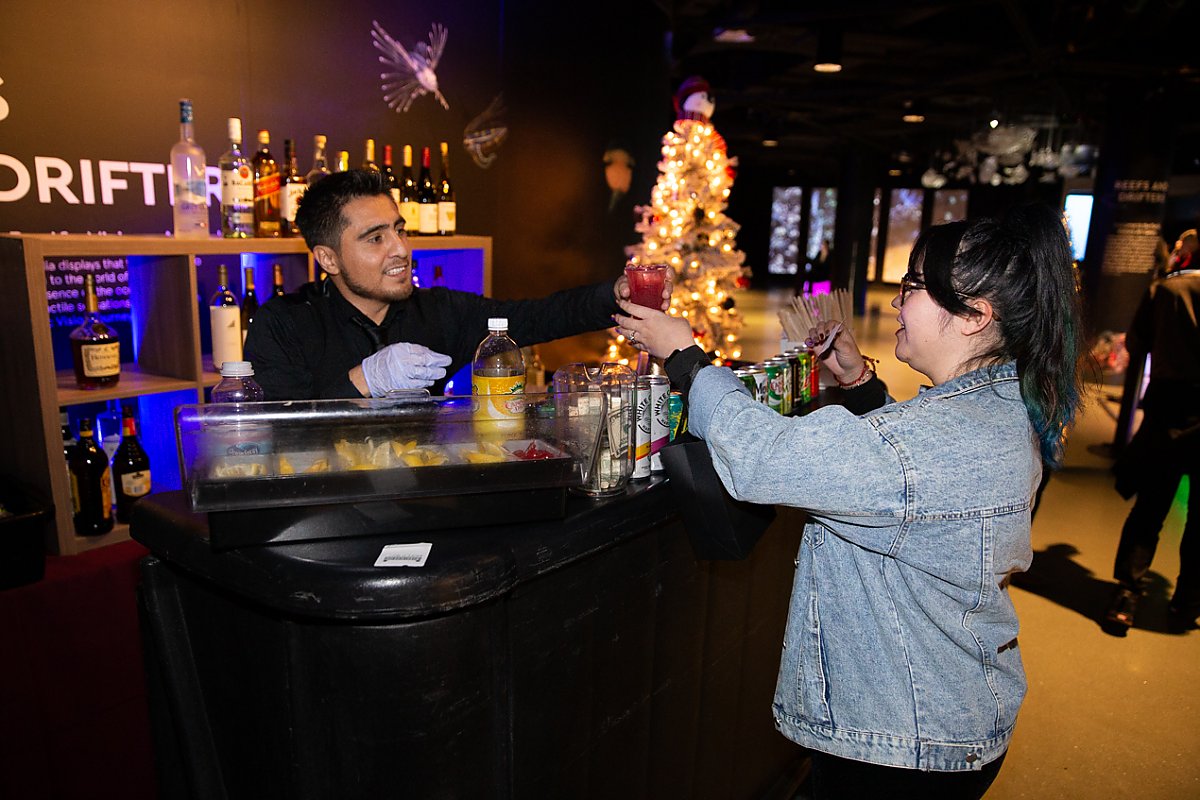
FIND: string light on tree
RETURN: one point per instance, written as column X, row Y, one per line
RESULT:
column 685, row 226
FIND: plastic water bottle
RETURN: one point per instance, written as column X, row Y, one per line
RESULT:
column 237, row 384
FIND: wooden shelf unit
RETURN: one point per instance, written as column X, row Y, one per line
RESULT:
column 169, row 357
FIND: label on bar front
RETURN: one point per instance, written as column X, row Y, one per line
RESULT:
column 404, row 555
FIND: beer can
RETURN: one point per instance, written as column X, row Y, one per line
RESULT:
column 799, row 379
column 775, row 383
column 785, row 405
column 674, row 413
column 748, row 380
column 814, row 377
column 760, row 380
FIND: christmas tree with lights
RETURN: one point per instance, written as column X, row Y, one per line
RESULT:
column 685, row 226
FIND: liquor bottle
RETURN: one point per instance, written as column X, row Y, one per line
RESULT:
column 369, row 157
column 225, row 319
column 342, row 163
column 69, row 441
column 390, row 174
column 189, row 180
column 447, row 208
column 319, row 169
column 249, row 301
column 237, row 187
column 498, row 370
column 107, row 428
column 409, row 208
column 95, row 347
column 266, row 189
column 291, row 191
column 427, row 202
column 91, row 485
column 130, row 467
column 277, row 285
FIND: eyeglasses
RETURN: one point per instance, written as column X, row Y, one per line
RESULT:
column 909, row 283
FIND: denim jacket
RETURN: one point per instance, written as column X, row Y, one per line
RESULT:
column 900, row 647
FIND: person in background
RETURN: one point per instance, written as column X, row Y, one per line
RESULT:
column 1166, row 447
column 366, row 331
column 813, row 277
column 1184, row 254
column 900, row 667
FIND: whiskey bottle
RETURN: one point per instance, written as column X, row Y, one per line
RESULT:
column 319, row 168
column 130, row 467
column 266, row 189
column 91, row 485
column 291, row 191
column 277, row 282
column 95, row 347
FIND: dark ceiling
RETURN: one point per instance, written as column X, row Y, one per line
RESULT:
column 1051, row 64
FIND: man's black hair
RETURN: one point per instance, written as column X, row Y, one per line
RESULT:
column 319, row 215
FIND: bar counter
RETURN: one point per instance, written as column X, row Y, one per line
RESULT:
column 589, row 656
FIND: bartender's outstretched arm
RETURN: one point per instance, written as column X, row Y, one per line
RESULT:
column 399, row 367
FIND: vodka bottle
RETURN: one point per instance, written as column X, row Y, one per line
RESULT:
column 319, row 168
column 189, row 180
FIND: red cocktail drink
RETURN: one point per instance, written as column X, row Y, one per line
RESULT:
column 646, row 284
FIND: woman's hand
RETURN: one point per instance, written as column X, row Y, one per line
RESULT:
column 653, row 331
column 843, row 358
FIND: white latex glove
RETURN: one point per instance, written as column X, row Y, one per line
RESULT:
column 403, row 365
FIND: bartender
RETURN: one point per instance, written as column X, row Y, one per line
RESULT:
column 366, row 330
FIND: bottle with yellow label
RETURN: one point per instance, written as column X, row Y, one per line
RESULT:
column 498, row 381
column 95, row 348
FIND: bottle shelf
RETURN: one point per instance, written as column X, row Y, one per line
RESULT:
column 134, row 383
column 164, row 279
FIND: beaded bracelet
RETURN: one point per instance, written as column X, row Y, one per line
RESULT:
column 868, row 366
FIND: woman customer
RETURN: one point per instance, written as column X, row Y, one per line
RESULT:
column 900, row 666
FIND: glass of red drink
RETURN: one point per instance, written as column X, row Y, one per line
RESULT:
column 646, row 284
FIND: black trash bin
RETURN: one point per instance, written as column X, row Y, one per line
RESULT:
column 23, row 531
column 591, row 656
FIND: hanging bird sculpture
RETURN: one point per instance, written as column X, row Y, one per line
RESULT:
column 412, row 74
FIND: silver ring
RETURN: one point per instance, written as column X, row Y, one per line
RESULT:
column 632, row 337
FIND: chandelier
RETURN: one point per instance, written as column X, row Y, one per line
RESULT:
column 1009, row 155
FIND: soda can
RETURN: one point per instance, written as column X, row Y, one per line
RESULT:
column 804, row 363
column 642, row 424
column 799, row 379
column 660, row 425
column 814, row 377
column 674, row 413
column 760, row 380
column 748, row 380
column 775, row 384
column 786, row 405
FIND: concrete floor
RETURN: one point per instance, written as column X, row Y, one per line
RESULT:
column 1105, row 717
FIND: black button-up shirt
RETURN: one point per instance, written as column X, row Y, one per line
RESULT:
column 303, row 345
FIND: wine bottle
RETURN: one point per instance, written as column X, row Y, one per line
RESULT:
column 95, row 347
column 369, row 157
column 91, row 485
column 237, row 187
column 225, row 319
column 291, row 191
column 447, row 208
column 390, row 174
column 409, row 209
column 189, row 180
column 249, row 301
column 130, row 467
column 266, row 189
column 342, row 164
column 427, row 202
column 319, row 168
column 277, row 285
